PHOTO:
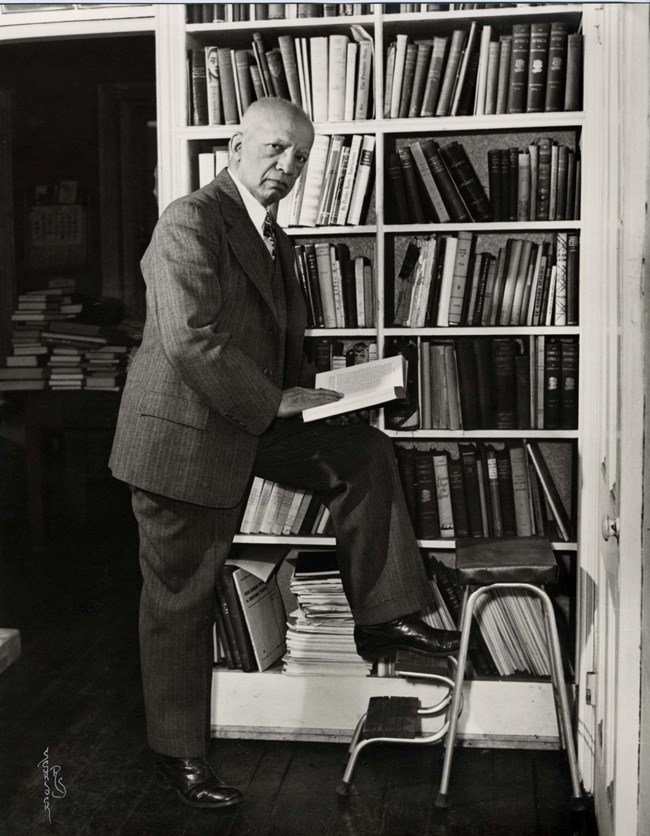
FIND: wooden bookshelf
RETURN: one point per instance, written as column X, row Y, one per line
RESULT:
column 178, row 146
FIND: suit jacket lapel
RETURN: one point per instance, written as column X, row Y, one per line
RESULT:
column 244, row 238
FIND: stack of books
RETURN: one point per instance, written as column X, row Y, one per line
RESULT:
column 334, row 189
column 482, row 490
column 320, row 633
column 446, row 280
column 534, row 68
column 508, row 636
column 326, row 354
column 85, row 356
column 329, row 76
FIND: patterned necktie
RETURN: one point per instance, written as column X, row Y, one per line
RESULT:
column 268, row 231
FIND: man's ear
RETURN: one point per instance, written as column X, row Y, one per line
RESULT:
column 234, row 146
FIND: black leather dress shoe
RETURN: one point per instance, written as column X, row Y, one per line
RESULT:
column 194, row 781
column 406, row 633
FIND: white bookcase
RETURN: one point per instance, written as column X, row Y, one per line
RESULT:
column 497, row 712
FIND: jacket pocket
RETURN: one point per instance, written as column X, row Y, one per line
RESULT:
column 178, row 410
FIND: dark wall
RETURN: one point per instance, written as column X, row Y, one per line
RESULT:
column 56, row 117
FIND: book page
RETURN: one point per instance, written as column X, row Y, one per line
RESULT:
column 364, row 385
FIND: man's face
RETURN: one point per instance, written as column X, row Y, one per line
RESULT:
column 271, row 153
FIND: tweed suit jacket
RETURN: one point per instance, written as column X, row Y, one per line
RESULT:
column 208, row 378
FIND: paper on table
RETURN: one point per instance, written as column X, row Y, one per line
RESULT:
column 364, row 385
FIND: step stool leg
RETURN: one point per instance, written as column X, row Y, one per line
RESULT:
column 442, row 799
column 357, row 732
column 566, row 726
column 344, row 786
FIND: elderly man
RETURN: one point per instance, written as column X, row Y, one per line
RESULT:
column 214, row 397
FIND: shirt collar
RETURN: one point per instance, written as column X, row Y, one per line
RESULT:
column 256, row 211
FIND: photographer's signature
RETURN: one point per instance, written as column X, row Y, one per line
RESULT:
column 53, row 786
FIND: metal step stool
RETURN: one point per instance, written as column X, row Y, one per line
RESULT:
column 506, row 563
column 397, row 719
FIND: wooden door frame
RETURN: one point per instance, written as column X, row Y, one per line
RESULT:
column 120, row 114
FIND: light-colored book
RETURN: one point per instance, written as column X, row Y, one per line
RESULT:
column 264, row 615
column 319, row 71
column 337, row 63
column 364, row 385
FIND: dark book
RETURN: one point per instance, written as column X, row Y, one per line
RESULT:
column 406, row 467
column 222, row 632
column 552, row 394
column 262, row 63
column 569, row 208
column 400, row 212
column 572, row 278
column 422, row 61
column 290, row 62
column 468, row 383
column 503, row 78
column 450, row 74
column 568, row 384
column 485, row 387
column 495, row 181
column 537, row 67
column 472, row 489
column 467, row 181
column 522, row 395
column 486, row 266
column 314, row 284
column 503, row 352
column 556, row 73
column 227, row 83
column 277, row 73
column 562, row 182
column 468, row 91
column 301, row 271
column 513, row 183
column 428, row 524
column 518, row 80
column 307, row 524
column 239, row 628
column 573, row 85
column 410, row 179
column 506, row 492
column 246, row 92
column 445, row 182
column 434, row 76
column 199, row 89
column 550, row 491
column 543, row 179
column 407, row 80
column 321, row 354
column 262, row 10
column 226, row 621
column 458, row 498
column 316, row 564
column 349, row 293
column 492, row 493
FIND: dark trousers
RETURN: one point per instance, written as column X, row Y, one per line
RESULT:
column 182, row 546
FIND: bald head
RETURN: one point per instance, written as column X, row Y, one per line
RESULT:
column 271, row 148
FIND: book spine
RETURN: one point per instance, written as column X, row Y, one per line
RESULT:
column 458, row 499
column 468, row 383
column 537, row 67
column 445, row 182
column 362, row 181
column 422, row 61
column 277, row 73
column 434, row 76
column 552, row 392
column 337, row 62
column 568, row 384
column 397, row 186
column 407, row 81
column 428, row 526
column 556, row 73
column 467, row 181
column 443, row 107
column 411, row 186
column 240, row 630
column 503, row 80
column 443, row 495
column 364, row 81
column 227, row 82
column 572, row 278
column 506, row 493
column 519, row 68
column 573, row 87
column 459, row 280
column 198, row 78
column 504, row 377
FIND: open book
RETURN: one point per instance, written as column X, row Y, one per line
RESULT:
column 364, row 385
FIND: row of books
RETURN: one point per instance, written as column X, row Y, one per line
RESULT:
column 537, row 67
column 326, row 354
column 484, row 383
column 537, row 183
column 481, row 490
column 250, row 619
column 428, row 182
column 338, row 289
column 274, row 509
column 334, row 189
column 320, row 632
column 239, row 12
column 329, row 76
column 445, row 280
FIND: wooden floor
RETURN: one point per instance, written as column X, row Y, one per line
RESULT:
column 75, row 695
